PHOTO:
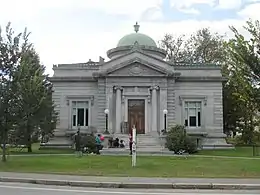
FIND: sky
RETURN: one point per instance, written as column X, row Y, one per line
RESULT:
column 73, row 31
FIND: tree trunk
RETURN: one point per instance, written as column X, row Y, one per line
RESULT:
column 29, row 147
column 29, row 140
column 4, row 159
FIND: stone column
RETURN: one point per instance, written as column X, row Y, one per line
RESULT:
column 154, row 109
column 125, row 109
column 118, row 90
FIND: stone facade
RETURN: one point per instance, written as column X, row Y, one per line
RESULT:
column 192, row 94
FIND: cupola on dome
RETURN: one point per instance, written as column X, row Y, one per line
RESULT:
column 140, row 38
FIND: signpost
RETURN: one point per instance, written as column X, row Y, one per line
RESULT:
column 134, row 147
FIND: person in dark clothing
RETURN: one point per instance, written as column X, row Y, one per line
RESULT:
column 131, row 144
column 116, row 143
column 77, row 140
column 122, row 144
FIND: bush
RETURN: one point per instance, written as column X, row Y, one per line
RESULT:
column 177, row 140
column 88, row 142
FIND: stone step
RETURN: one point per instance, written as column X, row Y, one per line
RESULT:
column 60, row 132
column 145, row 151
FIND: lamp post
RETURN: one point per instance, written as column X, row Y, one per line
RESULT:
column 106, row 113
column 165, row 112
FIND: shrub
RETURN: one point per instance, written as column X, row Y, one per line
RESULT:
column 177, row 140
column 190, row 144
column 88, row 142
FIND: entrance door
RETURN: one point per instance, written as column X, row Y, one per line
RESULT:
column 136, row 115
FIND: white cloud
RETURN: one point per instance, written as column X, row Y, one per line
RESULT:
column 29, row 8
column 229, row 4
column 190, row 3
column 153, row 14
column 189, row 10
column 251, row 11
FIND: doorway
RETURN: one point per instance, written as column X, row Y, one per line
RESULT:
column 136, row 115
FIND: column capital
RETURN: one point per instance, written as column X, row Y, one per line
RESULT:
column 117, row 87
column 155, row 87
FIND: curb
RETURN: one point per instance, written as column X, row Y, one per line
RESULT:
column 131, row 185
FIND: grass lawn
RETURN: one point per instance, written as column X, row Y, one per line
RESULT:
column 146, row 166
column 237, row 152
column 35, row 150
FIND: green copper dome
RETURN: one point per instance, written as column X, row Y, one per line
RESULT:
column 142, row 39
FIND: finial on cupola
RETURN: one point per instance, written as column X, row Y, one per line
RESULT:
column 136, row 26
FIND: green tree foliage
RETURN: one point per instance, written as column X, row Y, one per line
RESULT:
column 11, row 49
column 32, row 87
column 26, row 106
column 245, row 55
column 201, row 47
column 248, row 51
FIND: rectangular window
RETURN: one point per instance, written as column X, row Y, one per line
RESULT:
column 86, row 117
column 80, row 113
column 192, row 114
column 74, row 117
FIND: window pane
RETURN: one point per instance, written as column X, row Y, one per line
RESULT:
column 192, row 104
column 198, row 104
column 193, row 121
column 199, row 119
column 81, row 116
column 81, row 104
column 86, row 117
column 186, row 104
column 186, row 122
column 74, row 104
column 74, row 120
column 186, row 113
column 192, row 112
column 74, row 112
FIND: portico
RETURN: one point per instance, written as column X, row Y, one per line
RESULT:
column 136, row 105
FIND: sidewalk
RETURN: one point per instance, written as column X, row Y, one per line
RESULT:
column 131, row 182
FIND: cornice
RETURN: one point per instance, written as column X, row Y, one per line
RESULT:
column 71, row 79
column 201, row 79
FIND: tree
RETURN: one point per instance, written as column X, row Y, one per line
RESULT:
column 32, row 86
column 11, row 49
column 248, row 51
column 202, row 47
column 49, row 119
column 246, row 55
column 174, row 46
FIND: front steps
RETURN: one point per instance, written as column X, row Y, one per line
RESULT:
column 146, row 144
column 59, row 141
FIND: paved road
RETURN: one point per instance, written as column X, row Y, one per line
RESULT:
column 31, row 189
